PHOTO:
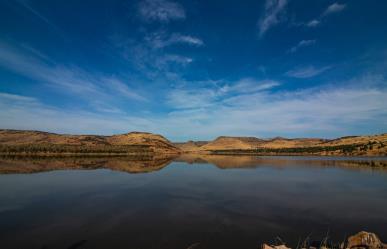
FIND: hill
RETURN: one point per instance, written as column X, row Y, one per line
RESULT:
column 190, row 146
column 375, row 145
column 142, row 143
column 233, row 143
column 17, row 141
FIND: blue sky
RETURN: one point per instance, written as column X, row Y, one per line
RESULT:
column 194, row 69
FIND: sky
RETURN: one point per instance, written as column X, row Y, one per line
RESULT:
column 194, row 69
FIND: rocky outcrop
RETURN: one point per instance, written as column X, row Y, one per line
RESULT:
column 266, row 246
column 361, row 240
column 365, row 240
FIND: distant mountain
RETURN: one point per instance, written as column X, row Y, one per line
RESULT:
column 351, row 145
column 191, row 146
column 233, row 143
column 18, row 141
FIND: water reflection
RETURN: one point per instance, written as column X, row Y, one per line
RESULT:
column 191, row 200
column 14, row 165
column 227, row 162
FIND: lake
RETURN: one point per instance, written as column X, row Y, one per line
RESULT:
column 202, row 201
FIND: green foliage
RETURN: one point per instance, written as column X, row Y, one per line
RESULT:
column 346, row 149
column 74, row 149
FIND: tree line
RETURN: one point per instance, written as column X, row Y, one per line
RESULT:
column 81, row 149
column 345, row 149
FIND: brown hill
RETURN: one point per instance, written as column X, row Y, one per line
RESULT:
column 233, row 143
column 280, row 142
column 158, row 143
column 140, row 140
column 353, row 145
column 190, row 146
column 381, row 138
column 16, row 142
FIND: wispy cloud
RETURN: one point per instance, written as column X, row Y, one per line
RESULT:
column 31, row 66
column 301, row 44
column 313, row 23
column 147, row 56
column 22, row 112
column 331, row 9
column 306, row 72
column 181, row 60
column 17, row 98
column 67, row 79
column 272, row 15
column 162, row 39
column 204, row 97
column 202, row 114
column 334, row 8
column 336, row 110
column 29, row 7
column 161, row 10
column 123, row 89
column 187, row 39
column 250, row 85
column 191, row 98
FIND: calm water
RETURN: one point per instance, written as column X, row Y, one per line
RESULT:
column 215, row 201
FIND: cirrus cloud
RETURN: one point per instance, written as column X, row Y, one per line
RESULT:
column 160, row 10
column 334, row 8
column 331, row 9
column 273, row 15
column 161, row 39
column 306, row 72
column 301, row 44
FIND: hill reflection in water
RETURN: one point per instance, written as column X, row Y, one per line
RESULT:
column 229, row 162
column 14, row 165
